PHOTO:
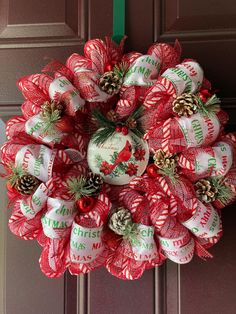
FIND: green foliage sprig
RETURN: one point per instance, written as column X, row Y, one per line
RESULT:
column 49, row 121
column 132, row 234
column 211, row 106
column 224, row 193
column 78, row 187
column 16, row 171
column 108, row 127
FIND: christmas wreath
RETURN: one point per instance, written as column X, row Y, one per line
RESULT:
column 119, row 160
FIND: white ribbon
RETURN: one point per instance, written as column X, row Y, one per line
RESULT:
column 37, row 160
column 186, row 77
column 205, row 223
column 179, row 250
column 58, row 219
column 143, row 71
column 35, row 126
column 85, row 244
column 61, row 85
column 199, row 129
column 145, row 249
column 219, row 164
column 36, row 202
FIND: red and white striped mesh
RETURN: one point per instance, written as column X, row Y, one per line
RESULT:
column 32, row 90
column 28, row 227
column 95, row 218
column 168, row 55
column 170, row 137
column 62, row 162
column 182, row 194
column 158, row 103
column 163, row 204
column 120, row 262
column 230, row 181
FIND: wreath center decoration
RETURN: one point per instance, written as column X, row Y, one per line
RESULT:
column 119, row 161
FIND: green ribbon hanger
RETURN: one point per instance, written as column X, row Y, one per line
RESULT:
column 118, row 20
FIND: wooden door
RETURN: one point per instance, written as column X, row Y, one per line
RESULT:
column 32, row 32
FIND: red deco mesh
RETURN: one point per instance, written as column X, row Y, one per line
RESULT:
column 188, row 159
column 181, row 189
column 168, row 135
column 158, row 103
column 95, row 218
column 55, row 256
column 121, row 261
column 15, row 130
column 168, row 55
column 22, row 226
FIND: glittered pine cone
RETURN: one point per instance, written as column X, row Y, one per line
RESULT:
column 185, row 105
column 110, row 82
column 27, row 184
column 49, row 107
column 164, row 160
column 120, row 221
column 205, row 190
column 94, row 182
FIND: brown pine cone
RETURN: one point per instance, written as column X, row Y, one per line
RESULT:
column 164, row 160
column 49, row 107
column 27, row 184
column 132, row 124
column 205, row 190
column 94, row 181
column 110, row 83
column 112, row 115
column 185, row 105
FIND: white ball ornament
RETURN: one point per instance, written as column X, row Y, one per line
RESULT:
column 118, row 159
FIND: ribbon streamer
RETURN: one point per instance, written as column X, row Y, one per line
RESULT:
column 118, row 20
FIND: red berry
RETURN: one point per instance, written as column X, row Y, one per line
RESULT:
column 125, row 130
column 65, row 124
column 85, row 204
column 152, row 171
column 118, row 128
column 108, row 67
column 202, row 97
column 204, row 94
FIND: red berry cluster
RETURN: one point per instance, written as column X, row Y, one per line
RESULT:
column 122, row 129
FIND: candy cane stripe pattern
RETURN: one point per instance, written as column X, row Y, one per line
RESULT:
column 119, row 160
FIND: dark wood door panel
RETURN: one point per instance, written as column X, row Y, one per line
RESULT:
column 31, row 35
column 203, row 287
column 198, row 18
column 207, row 32
column 111, row 295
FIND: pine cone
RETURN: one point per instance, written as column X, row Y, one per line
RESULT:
column 110, row 83
column 185, row 105
column 94, row 181
column 120, row 220
column 49, row 107
column 164, row 160
column 27, row 184
column 205, row 190
column 112, row 115
column 132, row 124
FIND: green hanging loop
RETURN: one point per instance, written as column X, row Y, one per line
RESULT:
column 118, row 20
